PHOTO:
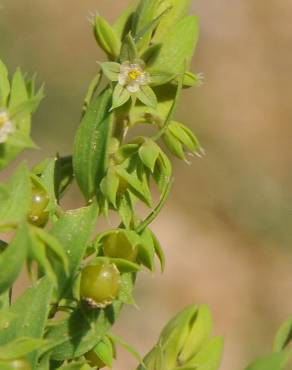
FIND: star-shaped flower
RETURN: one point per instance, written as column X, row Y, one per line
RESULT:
column 133, row 80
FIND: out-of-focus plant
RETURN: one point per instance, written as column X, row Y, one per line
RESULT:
column 81, row 279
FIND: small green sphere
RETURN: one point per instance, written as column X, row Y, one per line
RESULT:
column 19, row 364
column 116, row 245
column 39, row 202
column 93, row 360
column 100, row 284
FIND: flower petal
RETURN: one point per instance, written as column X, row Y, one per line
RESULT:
column 133, row 87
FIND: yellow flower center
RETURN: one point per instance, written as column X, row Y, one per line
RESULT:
column 3, row 119
column 134, row 74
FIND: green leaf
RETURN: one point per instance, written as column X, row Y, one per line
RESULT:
column 151, row 54
column 118, row 340
column 38, row 252
column 104, row 350
column 162, row 172
column 146, row 250
column 124, row 23
column 147, row 96
column 149, row 28
column 109, row 186
column 120, row 96
column 129, row 51
column 209, row 357
column 4, row 85
column 274, row 361
column 178, row 10
column 199, row 333
column 154, row 360
column 106, row 37
column 73, row 231
column 21, row 140
column 93, row 86
column 91, row 145
column 135, row 185
column 283, row 336
column 24, row 110
column 111, row 70
column 63, row 175
column 54, row 245
column 148, row 153
column 18, row 97
column 158, row 250
column 143, row 16
column 15, row 208
column 13, row 258
column 47, row 179
column 19, row 348
column 31, row 312
column 178, row 46
column 125, row 208
column 124, row 265
column 160, row 77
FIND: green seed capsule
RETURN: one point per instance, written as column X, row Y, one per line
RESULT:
column 37, row 214
column 116, row 245
column 100, row 284
column 18, row 364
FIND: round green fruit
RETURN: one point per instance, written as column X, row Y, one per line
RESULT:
column 116, row 245
column 94, row 360
column 18, row 364
column 100, row 284
column 37, row 214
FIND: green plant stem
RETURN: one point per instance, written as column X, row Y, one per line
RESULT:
column 172, row 110
column 151, row 217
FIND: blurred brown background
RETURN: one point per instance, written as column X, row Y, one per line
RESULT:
column 227, row 228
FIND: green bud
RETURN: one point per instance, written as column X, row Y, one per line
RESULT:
column 121, row 244
column 149, row 152
column 174, row 335
column 185, row 136
column 129, row 50
column 106, row 37
column 199, row 332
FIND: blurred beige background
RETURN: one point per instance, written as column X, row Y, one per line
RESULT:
column 227, row 228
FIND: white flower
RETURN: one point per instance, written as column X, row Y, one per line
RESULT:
column 132, row 76
column 7, row 127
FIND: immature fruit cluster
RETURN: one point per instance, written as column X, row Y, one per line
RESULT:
column 100, row 284
column 18, row 364
column 37, row 214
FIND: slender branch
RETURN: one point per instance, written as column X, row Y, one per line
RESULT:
column 151, row 217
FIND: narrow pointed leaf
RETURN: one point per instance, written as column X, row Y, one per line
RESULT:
column 91, row 145
column 147, row 96
column 120, row 96
column 13, row 258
